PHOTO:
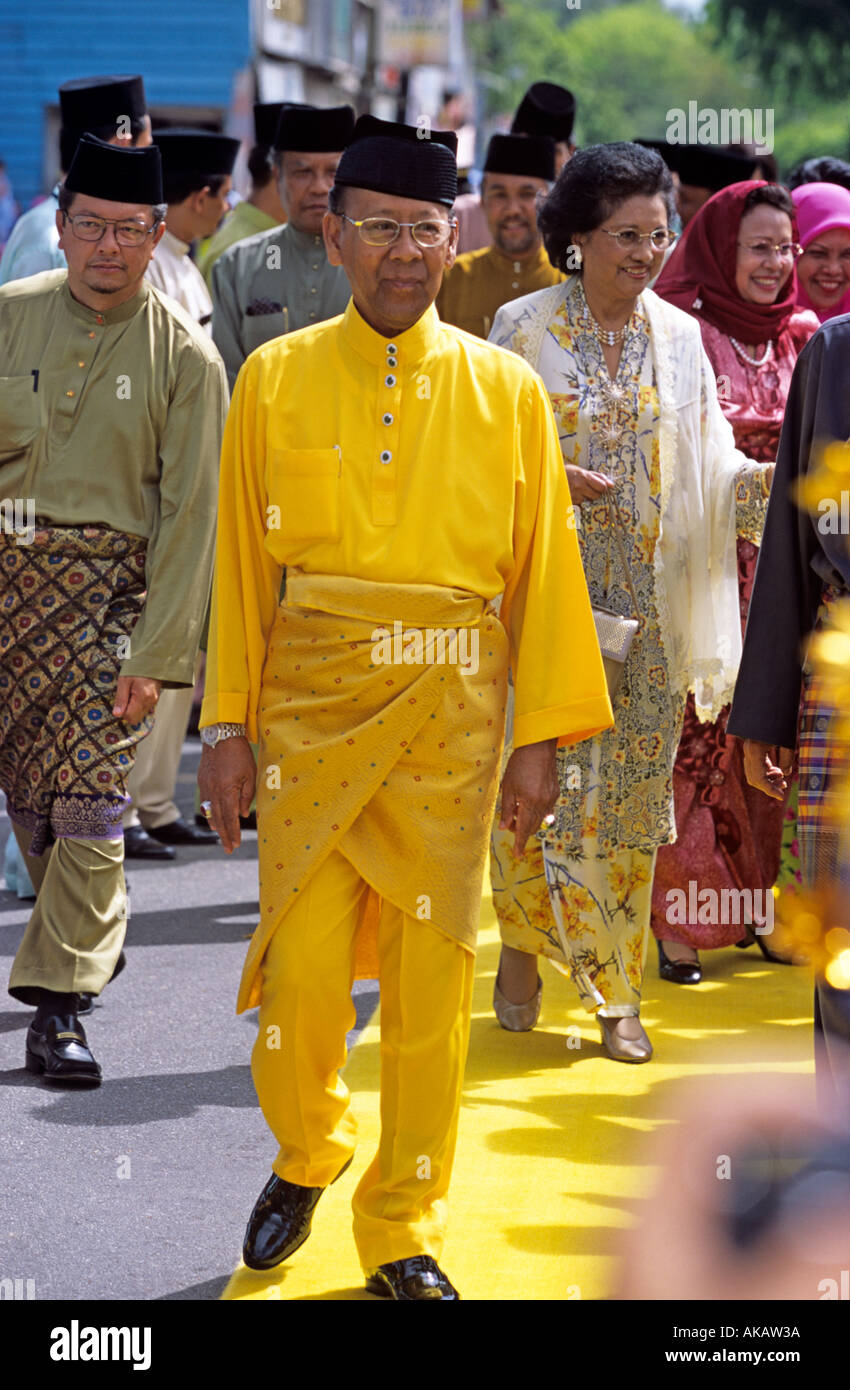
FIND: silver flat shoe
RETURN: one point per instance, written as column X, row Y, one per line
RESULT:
column 623, row 1049
column 517, row 1018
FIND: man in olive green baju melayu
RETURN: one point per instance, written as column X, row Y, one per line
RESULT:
column 110, row 426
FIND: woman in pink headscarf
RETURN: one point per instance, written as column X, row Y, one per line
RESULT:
column 734, row 270
column 823, row 270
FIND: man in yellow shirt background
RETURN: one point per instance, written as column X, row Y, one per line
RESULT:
column 406, row 475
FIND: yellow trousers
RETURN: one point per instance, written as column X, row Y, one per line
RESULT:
column 75, row 934
column 306, row 1011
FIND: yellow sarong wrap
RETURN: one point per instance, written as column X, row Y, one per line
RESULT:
column 395, row 764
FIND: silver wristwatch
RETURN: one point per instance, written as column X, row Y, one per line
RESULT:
column 214, row 733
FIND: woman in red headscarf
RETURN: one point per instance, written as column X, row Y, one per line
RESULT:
column 734, row 270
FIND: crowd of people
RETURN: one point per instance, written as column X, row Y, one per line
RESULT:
column 583, row 377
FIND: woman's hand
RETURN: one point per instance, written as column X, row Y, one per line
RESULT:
column 586, row 486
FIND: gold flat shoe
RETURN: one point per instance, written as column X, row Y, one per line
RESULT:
column 517, row 1018
column 623, row 1049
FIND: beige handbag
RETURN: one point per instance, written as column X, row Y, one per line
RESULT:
column 614, row 632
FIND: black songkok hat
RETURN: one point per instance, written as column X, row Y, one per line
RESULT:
column 668, row 152
column 399, row 159
column 713, row 166
column 88, row 102
column 266, row 117
column 530, row 155
column 187, row 151
column 115, row 172
column 546, row 109
column 314, row 129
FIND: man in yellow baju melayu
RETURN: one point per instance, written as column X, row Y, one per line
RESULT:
column 405, row 474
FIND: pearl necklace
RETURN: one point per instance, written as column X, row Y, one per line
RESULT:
column 608, row 337
column 745, row 356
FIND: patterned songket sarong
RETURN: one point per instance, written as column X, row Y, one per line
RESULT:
column 369, row 749
column 68, row 602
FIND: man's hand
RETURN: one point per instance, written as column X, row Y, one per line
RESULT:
column 227, row 777
column 586, row 486
column 529, row 790
column 135, row 696
column 768, row 767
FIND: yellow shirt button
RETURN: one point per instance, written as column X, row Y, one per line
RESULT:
column 81, row 364
column 91, row 335
column 69, row 393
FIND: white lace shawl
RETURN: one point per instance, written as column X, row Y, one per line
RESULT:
column 695, row 560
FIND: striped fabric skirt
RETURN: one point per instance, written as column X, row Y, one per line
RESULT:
column 824, row 773
column 69, row 600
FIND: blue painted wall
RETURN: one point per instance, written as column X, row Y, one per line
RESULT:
column 188, row 52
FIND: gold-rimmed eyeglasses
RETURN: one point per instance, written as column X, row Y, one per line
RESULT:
column 786, row 250
column 629, row 238
column 127, row 233
column 383, row 231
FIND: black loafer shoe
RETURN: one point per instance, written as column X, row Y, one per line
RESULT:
column 280, row 1221
column 417, row 1278
column 180, row 832
column 61, row 1054
column 678, row 972
column 139, row 845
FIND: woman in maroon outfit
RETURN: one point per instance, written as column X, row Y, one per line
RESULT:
column 734, row 270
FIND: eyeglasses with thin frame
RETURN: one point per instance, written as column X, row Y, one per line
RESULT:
column 629, row 238
column 383, row 231
column 93, row 229
column 786, row 250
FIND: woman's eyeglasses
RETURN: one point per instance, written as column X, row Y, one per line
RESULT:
column 629, row 238
column 786, row 250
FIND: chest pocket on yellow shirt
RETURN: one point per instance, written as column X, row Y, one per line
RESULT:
column 20, row 416
column 304, row 485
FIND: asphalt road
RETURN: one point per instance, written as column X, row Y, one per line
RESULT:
column 141, row 1189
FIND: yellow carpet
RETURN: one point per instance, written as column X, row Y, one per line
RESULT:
column 546, row 1174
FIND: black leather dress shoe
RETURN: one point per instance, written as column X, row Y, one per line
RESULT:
column 87, row 1000
column 180, row 832
column 139, row 845
column 678, row 972
column 416, row 1278
column 280, row 1221
column 60, row 1053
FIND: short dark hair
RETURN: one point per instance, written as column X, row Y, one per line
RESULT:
column 336, row 199
column 591, row 186
column 179, row 186
column 261, row 165
column 772, row 195
column 66, row 198
column 825, row 169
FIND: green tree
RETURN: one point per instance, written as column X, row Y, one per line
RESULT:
column 799, row 47
column 628, row 65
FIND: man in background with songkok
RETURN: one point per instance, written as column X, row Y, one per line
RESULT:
column 196, row 170
column 112, row 108
column 546, row 110
column 113, row 407
column 262, row 209
column 518, row 171
column 281, row 280
column 406, row 474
